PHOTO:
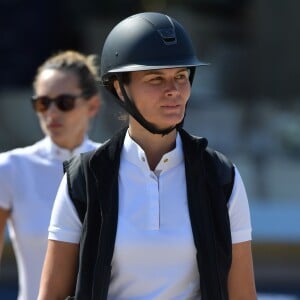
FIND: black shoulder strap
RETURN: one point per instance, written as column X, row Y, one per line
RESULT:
column 79, row 170
column 75, row 170
column 220, row 168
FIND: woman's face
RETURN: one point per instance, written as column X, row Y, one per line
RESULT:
column 160, row 95
column 66, row 128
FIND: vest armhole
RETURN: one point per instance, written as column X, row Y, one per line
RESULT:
column 221, row 167
column 76, row 181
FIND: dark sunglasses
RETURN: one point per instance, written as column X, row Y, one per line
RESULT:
column 64, row 102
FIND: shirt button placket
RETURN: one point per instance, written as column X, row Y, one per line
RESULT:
column 154, row 202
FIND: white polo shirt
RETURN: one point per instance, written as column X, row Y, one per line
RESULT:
column 154, row 255
column 29, row 179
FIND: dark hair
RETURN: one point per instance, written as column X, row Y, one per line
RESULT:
column 84, row 66
column 109, row 84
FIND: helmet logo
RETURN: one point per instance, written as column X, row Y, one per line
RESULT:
column 168, row 35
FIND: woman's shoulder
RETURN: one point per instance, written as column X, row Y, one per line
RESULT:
column 21, row 152
column 92, row 145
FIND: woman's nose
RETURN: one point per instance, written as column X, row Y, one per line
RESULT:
column 172, row 87
column 52, row 109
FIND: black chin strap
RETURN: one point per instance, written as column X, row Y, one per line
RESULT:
column 129, row 106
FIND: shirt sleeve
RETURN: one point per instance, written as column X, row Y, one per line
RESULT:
column 6, row 181
column 239, row 213
column 65, row 225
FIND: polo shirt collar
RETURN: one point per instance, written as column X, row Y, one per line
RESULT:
column 133, row 153
column 62, row 154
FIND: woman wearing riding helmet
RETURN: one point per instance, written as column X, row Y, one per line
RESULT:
column 143, row 217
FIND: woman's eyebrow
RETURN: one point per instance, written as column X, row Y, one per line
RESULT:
column 158, row 72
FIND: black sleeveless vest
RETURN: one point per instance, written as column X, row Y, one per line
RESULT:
column 93, row 188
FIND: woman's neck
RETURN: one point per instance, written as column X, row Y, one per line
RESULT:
column 154, row 145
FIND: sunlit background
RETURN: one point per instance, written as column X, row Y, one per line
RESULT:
column 246, row 102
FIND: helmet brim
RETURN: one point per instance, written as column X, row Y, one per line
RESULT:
column 138, row 67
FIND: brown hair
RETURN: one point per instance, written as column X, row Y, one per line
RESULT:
column 84, row 66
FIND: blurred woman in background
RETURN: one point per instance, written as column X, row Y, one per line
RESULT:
column 66, row 98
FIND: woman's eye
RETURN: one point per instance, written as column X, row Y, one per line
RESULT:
column 156, row 79
column 181, row 77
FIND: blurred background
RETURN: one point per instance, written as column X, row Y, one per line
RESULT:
column 246, row 102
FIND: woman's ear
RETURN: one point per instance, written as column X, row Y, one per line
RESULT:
column 118, row 89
